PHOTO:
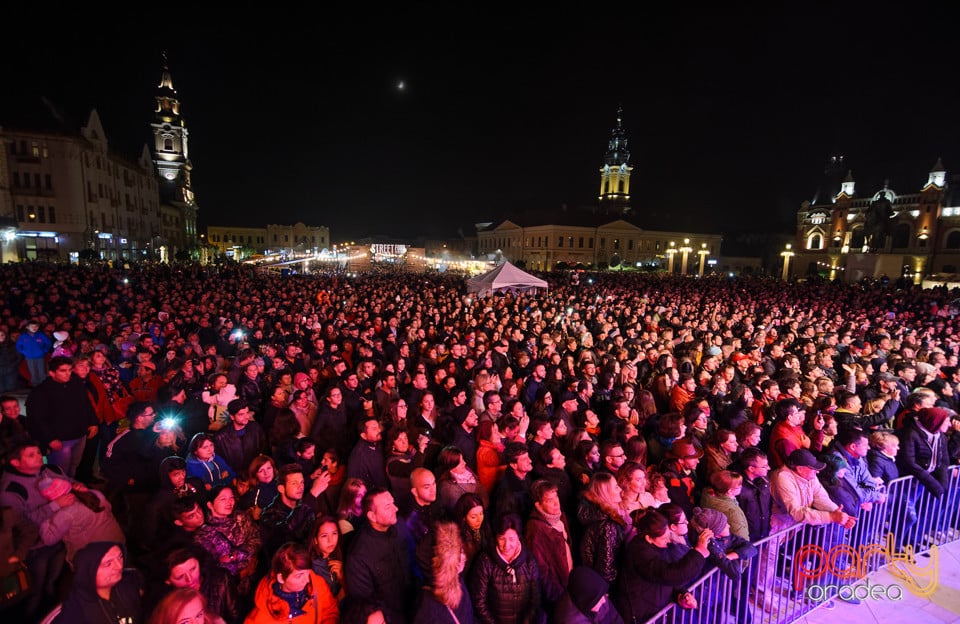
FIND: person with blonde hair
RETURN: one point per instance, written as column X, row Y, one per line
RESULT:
column 603, row 526
column 446, row 601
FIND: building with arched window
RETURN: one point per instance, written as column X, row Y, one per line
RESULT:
column 881, row 232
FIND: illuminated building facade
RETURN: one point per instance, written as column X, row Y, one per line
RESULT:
column 610, row 235
column 849, row 234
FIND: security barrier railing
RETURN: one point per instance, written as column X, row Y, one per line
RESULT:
column 802, row 567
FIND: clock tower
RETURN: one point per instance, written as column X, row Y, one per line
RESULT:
column 615, row 173
column 171, row 157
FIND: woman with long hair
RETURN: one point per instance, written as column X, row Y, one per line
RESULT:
column 490, row 464
column 260, row 486
column 402, row 458
column 447, row 600
column 292, row 592
column 475, row 533
column 327, row 555
column 456, row 479
column 603, row 525
column 719, row 451
column 586, row 458
column 349, row 509
column 632, row 479
column 231, row 537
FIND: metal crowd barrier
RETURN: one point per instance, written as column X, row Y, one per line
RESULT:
column 802, row 567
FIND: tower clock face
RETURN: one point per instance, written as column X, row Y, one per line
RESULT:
column 170, row 175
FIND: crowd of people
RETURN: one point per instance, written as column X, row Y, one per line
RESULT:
column 224, row 444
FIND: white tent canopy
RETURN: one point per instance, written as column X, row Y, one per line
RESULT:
column 504, row 277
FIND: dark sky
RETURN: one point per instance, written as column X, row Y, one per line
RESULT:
column 295, row 114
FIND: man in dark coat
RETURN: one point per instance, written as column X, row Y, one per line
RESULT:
column 242, row 440
column 754, row 497
column 366, row 461
column 379, row 565
column 60, row 416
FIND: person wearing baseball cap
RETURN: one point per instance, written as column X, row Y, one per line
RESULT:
column 679, row 469
column 799, row 497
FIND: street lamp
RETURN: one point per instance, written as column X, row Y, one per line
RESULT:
column 671, row 252
column 787, row 253
column 685, row 250
column 704, row 252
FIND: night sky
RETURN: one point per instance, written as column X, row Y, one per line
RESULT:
column 297, row 115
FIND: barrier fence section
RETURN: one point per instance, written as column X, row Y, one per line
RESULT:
column 804, row 566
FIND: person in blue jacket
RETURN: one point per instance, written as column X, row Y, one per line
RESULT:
column 34, row 345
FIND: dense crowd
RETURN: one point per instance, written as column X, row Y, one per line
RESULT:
column 222, row 444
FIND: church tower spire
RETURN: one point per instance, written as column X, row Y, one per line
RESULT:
column 615, row 173
column 171, row 159
column 171, row 152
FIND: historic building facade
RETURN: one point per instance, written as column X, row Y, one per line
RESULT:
column 850, row 234
column 609, row 235
column 234, row 241
column 65, row 194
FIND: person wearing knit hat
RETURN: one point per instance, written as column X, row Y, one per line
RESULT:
column 723, row 546
column 709, row 519
column 83, row 516
column 585, row 600
column 933, row 418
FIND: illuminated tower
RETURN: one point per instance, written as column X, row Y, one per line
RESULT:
column 171, row 155
column 615, row 174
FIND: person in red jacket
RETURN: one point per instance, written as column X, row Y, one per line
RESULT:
column 293, row 593
column 787, row 435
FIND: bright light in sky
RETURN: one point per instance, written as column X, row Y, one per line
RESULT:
column 401, row 86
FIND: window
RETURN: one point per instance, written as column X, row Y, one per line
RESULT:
column 953, row 240
column 26, row 180
column 41, row 214
column 616, row 244
column 35, row 150
column 20, row 212
column 570, row 241
column 100, row 189
column 286, row 238
column 559, row 241
column 16, row 178
column 52, row 214
column 36, row 180
column 630, row 245
column 580, row 242
column 603, row 243
column 815, row 241
column 48, row 181
column 591, row 242
column 45, row 152
column 274, row 238
column 168, row 145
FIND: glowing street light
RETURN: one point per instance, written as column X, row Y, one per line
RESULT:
column 671, row 252
column 703, row 253
column 685, row 250
column 787, row 253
